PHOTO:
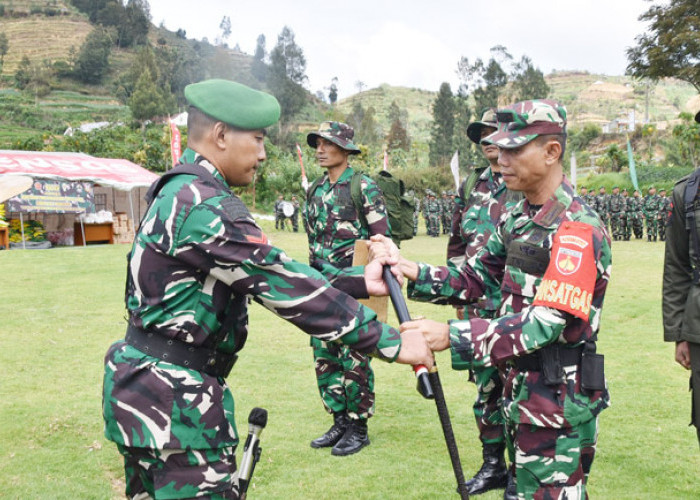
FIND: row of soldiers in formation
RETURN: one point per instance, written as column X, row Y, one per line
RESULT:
column 626, row 214
column 436, row 212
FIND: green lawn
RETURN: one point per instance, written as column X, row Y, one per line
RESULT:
column 61, row 309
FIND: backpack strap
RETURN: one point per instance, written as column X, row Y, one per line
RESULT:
column 356, row 195
column 689, row 196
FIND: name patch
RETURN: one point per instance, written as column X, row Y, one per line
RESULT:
column 569, row 280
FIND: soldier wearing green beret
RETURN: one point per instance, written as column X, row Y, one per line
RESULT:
column 650, row 208
column 196, row 261
column 617, row 207
column 665, row 206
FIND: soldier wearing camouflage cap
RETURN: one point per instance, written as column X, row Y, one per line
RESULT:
column 483, row 199
column 344, row 376
column 551, row 258
column 197, row 259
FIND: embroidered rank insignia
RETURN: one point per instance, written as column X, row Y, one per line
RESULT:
column 569, row 280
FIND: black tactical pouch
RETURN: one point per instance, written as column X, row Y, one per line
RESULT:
column 551, row 365
column 592, row 369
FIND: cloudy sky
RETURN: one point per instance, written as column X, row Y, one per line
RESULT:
column 418, row 43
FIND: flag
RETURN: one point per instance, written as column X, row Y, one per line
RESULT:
column 175, row 150
column 386, row 161
column 304, row 180
column 454, row 166
column 630, row 161
column 573, row 170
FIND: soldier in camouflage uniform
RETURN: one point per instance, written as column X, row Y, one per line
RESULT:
column 434, row 211
column 424, row 210
column 638, row 215
column 445, row 213
column 617, row 207
column 588, row 198
column 629, row 215
column 279, row 213
column 551, row 258
column 475, row 217
column 345, row 377
column 665, row 207
column 650, row 208
column 416, row 212
column 602, row 206
column 295, row 214
column 197, row 258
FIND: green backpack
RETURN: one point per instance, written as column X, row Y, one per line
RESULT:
column 399, row 207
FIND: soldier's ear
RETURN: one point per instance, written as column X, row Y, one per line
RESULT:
column 218, row 134
column 552, row 151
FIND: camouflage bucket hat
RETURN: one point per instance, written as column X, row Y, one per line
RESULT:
column 488, row 119
column 524, row 121
column 338, row 133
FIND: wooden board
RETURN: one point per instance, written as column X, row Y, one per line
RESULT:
column 377, row 304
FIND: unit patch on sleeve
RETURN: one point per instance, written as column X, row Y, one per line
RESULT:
column 569, row 280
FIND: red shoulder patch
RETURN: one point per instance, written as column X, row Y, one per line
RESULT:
column 569, row 280
column 260, row 240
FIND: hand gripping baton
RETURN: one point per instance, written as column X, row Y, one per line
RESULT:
column 432, row 385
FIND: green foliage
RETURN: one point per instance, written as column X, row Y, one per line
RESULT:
column 579, row 138
column 287, row 74
column 670, row 47
column 258, row 67
column 4, row 47
column 685, row 148
column 23, row 73
column 486, row 82
column 148, row 100
column 93, row 57
column 441, row 146
column 131, row 21
column 528, row 81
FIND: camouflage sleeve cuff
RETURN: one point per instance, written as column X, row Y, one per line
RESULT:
column 461, row 347
column 350, row 280
column 422, row 288
column 378, row 340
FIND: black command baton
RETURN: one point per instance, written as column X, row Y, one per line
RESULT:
column 257, row 420
column 433, row 384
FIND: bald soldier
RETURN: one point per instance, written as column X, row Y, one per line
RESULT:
column 550, row 256
column 197, row 259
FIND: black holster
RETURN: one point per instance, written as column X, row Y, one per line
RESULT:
column 592, row 369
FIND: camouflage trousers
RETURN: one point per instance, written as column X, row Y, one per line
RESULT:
column 179, row 474
column 446, row 224
column 617, row 226
column 652, row 229
column 415, row 224
column 488, row 410
column 433, row 225
column 552, row 463
column 661, row 224
column 345, row 379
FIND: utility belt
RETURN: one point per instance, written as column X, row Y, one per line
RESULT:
column 199, row 358
column 550, row 360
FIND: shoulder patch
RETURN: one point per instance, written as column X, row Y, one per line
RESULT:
column 569, row 280
column 235, row 208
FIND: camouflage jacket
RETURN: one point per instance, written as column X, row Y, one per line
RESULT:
column 590, row 200
column 334, row 224
column 523, row 328
column 602, row 204
column 433, row 207
column 634, row 208
column 651, row 206
column 197, row 258
column 617, row 204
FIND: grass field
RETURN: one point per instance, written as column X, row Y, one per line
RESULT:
column 62, row 308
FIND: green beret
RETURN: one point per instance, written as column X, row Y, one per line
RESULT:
column 234, row 103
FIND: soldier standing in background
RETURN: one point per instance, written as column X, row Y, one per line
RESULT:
column 344, row 376
column 445, row 213
column 197, row 259
column 416, row 212
column 424, row 210
column 602, row 206
column 650, row 209
column 588, row 198
column 434, row 211
column 638, row 221
column 665, row 206
column 295, row 214
column 617, row 207
column 279, row 213
column 476, row 215
column 628, row 216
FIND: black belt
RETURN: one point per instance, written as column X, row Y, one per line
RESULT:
column 533, row 361
column 202, row 359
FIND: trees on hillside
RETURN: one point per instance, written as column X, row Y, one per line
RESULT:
column 441, row 144
column 92, row 61
column 528, row 81
column 131, row 20
column 671, row 46
column 287, row 74
column 4, row 46
column 259, row 65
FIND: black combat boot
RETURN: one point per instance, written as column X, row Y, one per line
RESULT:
column 333, row 435
column 493, row 473
column 354, row 439
column 511, row 492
